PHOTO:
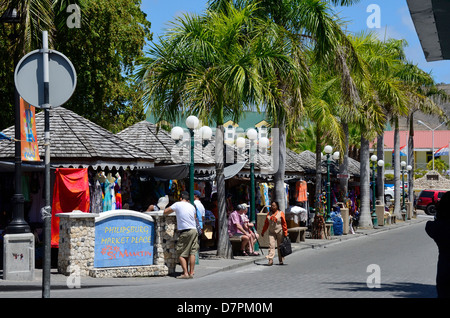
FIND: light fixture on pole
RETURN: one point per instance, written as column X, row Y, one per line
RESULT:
column 191, row 123
column 432, row 136
column 374, row 158
column 403, row 164
column 328, row 150
column 177, row 134
column 252, row 134
column 409, row 168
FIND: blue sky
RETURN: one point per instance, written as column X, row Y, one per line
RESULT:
column 395, row 22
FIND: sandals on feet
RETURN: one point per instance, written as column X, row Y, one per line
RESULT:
column 243, row 253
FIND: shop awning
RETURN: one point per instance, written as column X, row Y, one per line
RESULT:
column 170, row 172
column 76, row 142
column 432, row 22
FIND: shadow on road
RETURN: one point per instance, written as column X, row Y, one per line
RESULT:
column 396, row 289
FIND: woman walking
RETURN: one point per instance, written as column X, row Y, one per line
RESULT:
column 276, row 224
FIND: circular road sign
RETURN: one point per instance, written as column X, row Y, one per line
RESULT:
column 29, row 81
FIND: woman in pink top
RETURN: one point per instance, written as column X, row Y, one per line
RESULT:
column 236, row 228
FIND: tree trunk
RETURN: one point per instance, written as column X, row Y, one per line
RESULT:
column 343, row 168
column 318, row 190
column 278, row 178
column 397, row 183
column 380, row 170
column 223, row 244
column 365, row 220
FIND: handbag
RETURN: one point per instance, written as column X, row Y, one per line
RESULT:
column 285, row 247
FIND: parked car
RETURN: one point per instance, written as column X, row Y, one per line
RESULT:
column 388, row 194
column 427, row 200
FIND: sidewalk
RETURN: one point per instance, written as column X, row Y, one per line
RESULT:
column 209, row 263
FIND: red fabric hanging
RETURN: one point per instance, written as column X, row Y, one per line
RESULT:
column 70, row 192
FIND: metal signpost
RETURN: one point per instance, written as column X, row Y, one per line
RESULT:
column 45, row 79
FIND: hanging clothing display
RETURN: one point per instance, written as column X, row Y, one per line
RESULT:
column 96, row 197
column 109, row 201
column 301, row 189
column 117, row 190
column 264, row 191
column 70, row 192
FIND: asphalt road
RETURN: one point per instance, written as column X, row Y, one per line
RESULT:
column 398, row 263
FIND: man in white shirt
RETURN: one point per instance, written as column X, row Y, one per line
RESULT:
column 200, row 208
column 187, row 245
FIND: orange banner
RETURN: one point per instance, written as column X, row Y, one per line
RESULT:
column 28, row 139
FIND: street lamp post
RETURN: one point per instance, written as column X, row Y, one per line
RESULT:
column 263, row 142
column 374, row 214
column 432, row 136
column 18, row 224
column 177, row 134
column 328, row 150
column 409, row 168
column 403, row 164
column 191, row 123
column 252, row 134
column 380, row 163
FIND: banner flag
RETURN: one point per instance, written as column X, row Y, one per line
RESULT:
column 402, row 151
column 28, row 139
column 441, row 151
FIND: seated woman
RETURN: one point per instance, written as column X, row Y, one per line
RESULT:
column 236, row 228
column 248, row 227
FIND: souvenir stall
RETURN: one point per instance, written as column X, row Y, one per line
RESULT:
column 171, row 169
column 77, row 144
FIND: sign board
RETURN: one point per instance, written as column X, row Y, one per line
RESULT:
column 123, row 239
column 29, row 79
column 342, row 176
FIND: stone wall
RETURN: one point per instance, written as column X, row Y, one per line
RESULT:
column 77, row 244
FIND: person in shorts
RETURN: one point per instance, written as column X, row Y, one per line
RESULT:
column 187, row 244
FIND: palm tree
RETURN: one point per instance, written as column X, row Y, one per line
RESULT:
column 313, row 25
column 212, row 65
column 322, row 108
column 423, row 94
column 381, row 92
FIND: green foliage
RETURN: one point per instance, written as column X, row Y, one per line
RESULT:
column 103, row 51
column 439, row 165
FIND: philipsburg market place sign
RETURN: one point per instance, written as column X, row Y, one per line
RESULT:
column 124, row 238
